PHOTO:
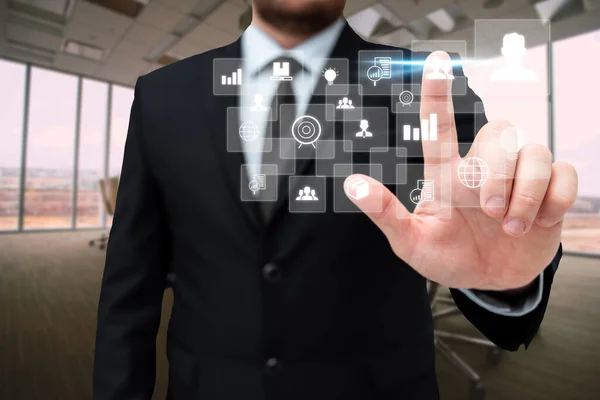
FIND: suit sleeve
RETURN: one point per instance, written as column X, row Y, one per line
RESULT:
column 506, row 331
column 508, row 322
column 134, row 278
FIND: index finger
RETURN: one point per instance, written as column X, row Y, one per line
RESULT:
column 438, row 129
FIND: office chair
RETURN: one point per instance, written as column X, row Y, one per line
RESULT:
column 476, row 387
column 108, row 194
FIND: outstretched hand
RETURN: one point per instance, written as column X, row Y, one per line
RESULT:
column 499, row 236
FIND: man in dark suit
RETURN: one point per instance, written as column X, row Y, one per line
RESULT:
column 270, row 304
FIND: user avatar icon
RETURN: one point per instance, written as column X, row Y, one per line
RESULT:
column 513, row 50
column 364, row 130
column 308, row 194
column 441, row 69
column 258, row 106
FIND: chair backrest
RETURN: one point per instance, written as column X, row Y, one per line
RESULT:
column 108, row 192
column 112, row 188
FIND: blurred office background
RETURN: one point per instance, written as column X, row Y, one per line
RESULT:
column 67, row 70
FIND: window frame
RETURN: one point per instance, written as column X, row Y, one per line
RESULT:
column 25, row 129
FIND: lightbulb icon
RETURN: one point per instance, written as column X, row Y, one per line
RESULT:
column 330, row 75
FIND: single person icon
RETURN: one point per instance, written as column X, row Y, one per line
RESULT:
column 340, row 105
column 314, row 195
column 258, row 99
column 513, row 50
column 350, row 105
column 364, row 132
column 300, row 193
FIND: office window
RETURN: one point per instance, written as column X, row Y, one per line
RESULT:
column 50, row 150
column 578, row 134
column 92, row 139
column 12, row 93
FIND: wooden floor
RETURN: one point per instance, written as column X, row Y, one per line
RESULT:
column 49, row 285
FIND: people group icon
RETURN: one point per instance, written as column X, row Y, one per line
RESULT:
column 513, row 51
column 307, row 194
column 364, row 130
column 345, row 104
column 440, row 69
column 258, row 106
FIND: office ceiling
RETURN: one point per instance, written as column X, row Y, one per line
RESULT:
column 118, row 40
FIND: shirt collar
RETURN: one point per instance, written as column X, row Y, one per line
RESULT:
column 258, row 48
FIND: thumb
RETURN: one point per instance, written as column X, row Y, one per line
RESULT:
column 384, row 209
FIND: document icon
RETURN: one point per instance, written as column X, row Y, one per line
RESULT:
column 423, row 192
column 262, row 181
column 427, row 188
column 385, row 63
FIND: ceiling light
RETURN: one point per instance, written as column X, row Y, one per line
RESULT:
column 442, row 19
column 387, row 14
column 83, row 50
column 365, row 21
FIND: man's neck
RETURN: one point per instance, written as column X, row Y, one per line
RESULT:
column 285, row 39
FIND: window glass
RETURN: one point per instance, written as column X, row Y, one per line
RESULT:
column 578, row 135
column 92, row 139
column 122, row 98
column 12, row 93
column 50, row 150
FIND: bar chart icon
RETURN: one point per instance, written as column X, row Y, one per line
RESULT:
column 427, row 132
column 234, row 80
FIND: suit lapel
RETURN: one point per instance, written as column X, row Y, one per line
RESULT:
column 231, row 162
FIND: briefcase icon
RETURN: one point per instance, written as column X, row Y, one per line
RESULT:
column 357, row 188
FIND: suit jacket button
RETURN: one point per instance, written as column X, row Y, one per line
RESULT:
column 271, row 273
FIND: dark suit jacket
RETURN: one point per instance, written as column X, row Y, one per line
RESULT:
column 281, row 310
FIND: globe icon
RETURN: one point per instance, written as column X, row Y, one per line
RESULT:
column 248, row 131
column 473, row 172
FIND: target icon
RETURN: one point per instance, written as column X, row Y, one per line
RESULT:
column 306, row 130
column 406, row 98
